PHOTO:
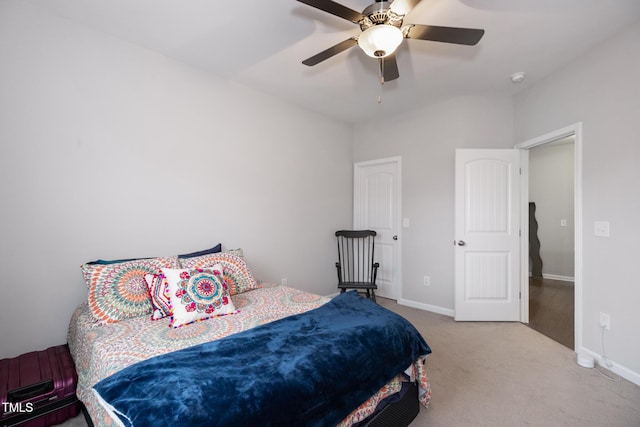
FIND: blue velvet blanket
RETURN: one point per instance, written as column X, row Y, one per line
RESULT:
column 310, row 369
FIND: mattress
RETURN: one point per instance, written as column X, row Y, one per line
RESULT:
column 101, row 350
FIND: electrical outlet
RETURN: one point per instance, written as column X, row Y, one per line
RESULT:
column 605, row 321
column 427, row 281
column 284, row 281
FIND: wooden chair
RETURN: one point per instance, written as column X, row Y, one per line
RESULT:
column 356, row 268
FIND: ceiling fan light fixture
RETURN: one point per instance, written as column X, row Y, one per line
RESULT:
column 380, row 40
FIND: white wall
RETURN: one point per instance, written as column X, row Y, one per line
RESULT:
column 426, row 140
column 551, row 182
column 601, row 90
column 108, row 150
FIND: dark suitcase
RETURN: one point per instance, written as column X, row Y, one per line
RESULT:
column 38, row 389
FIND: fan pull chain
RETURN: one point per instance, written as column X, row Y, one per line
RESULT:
column 381, row 68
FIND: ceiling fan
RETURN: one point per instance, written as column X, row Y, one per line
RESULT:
column 383, row 31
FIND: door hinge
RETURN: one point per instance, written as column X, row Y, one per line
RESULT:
column 520, row 171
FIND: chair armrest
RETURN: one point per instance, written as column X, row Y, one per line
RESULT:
column 339, row 272
column 375, row 271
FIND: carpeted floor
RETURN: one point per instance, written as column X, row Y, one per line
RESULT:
column 507, row 374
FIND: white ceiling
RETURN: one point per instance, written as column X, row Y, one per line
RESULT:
column 261, row 44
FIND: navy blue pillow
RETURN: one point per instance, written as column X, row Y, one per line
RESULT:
column 214, row 250
column 217, row 248
column 112, row 261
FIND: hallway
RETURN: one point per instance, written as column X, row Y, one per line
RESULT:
column 551, row 309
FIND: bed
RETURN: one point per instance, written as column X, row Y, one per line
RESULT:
column 107, row 350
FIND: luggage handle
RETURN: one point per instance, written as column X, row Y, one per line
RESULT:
column 24, row 393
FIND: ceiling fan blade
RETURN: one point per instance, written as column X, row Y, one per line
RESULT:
column 389, row 68
column 335, row 9
column 333, row 50
column 467, row 36
column 402, row 7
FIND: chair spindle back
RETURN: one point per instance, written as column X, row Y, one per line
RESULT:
column 356, row 251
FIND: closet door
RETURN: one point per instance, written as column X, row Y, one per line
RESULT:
column 376, row 207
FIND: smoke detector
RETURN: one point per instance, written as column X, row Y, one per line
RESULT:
column 518, row 77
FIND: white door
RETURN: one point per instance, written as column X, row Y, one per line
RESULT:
column 487, row 235
column 376, row 207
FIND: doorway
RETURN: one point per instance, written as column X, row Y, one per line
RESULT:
column 551, row 240
column 552, row 296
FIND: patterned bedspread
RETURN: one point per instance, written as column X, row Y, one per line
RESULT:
column 101, row 350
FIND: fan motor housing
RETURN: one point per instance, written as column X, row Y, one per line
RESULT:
column 380, row 13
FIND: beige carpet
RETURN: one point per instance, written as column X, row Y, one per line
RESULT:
column 506, row 374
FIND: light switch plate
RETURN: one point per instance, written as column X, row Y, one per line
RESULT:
column 601, row 228
column 405, row 222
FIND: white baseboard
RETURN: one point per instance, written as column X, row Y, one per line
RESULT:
column 556, row 277
column 616, row 368
column 409, row 303
column 427, row 307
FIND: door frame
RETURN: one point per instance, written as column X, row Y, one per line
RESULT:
column 576, row 130
column 357, row 177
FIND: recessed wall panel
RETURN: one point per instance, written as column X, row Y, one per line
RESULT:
column 487, row 276
column 379, row 205
column 487, row 196
column 384, row 255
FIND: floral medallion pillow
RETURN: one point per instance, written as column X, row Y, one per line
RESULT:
column 237, row 252
column 159, row 293
column 118, row 291
column 237, row 275
column 197, row 294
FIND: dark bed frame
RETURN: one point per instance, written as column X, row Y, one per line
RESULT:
column 400, row 413
column 397, row 414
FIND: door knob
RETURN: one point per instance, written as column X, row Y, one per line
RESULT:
column 461, row 243
column 395, row 237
